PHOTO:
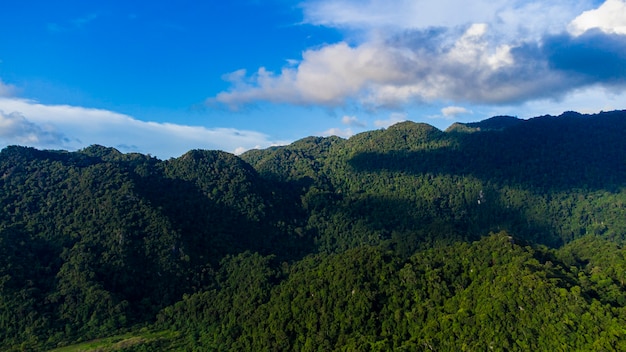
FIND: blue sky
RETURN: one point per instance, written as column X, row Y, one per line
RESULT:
column 163, row 77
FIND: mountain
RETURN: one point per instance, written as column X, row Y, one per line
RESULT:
column 540, row 178
column 495, row 123
column 403, row 238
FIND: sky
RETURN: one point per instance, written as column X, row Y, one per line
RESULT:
column 165, row 77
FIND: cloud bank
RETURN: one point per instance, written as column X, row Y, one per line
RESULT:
column 16, row 129
column 405, row 52
column 24, row 122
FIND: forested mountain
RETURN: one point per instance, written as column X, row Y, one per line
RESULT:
column 504, row 234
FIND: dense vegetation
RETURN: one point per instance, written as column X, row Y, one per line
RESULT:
column 504, row 234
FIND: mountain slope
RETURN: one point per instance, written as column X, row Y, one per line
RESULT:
column 112, row 238
column 548, row 179
column 492, row 294
column 95, row 242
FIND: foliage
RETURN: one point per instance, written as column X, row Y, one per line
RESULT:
column 377, row 242
column 488, row 295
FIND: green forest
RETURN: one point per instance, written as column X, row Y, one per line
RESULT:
column 500, row 235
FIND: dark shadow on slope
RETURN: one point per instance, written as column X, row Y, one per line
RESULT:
column 406, row 225
column 211, row 230
column 547, row 153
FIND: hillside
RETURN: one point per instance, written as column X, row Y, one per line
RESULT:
column 547, row 179
column 504, row 233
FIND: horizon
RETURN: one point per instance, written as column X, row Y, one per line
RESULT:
column 161, row 78
column 446, row 130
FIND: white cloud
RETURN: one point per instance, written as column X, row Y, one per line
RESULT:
column 241, row 150
column 454, row 111
column 399, row 13
column 325, row 76
column 343, row 133
column 352, row 121
column 16, row 129
column 610, row 17
column 515, row 17
column 587, row 101
column 70, row 127
column 393, row 119
column 403, row 13
column 6, row 90
column 414, row 52
column 388, row 73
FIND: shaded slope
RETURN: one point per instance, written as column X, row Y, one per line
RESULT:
column 568, row 152
column 113, row 237
column 548, row 179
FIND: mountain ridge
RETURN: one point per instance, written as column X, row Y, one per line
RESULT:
column 95, row 242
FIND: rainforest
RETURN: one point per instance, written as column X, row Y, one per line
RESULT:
column 504, row 234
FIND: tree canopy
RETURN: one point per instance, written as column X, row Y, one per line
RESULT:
column 504, row 234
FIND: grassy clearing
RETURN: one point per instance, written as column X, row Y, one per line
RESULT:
column 120, row 342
